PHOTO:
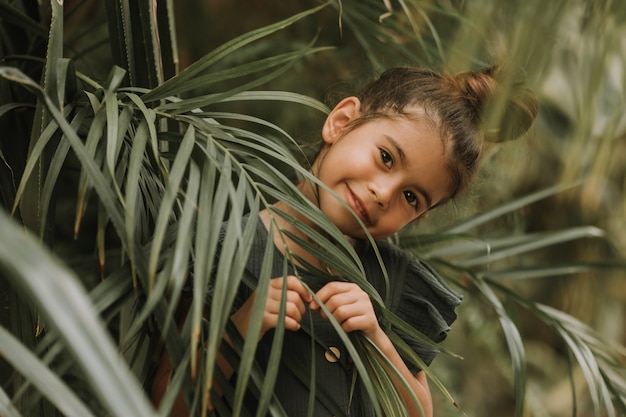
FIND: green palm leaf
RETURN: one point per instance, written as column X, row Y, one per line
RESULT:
column 66, row 307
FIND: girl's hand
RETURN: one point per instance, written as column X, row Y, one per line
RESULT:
column 297, row 298
column 351, row 307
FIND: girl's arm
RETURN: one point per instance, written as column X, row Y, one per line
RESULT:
column 353, row 309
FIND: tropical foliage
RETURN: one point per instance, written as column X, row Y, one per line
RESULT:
column 122, row 167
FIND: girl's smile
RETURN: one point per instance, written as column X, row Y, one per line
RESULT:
column 358, row 206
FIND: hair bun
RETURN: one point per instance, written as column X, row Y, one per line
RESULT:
column 504, row 108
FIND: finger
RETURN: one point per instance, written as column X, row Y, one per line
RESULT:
column 294, row 306
column 336, row 287
column 324, row 293
column 352, row 309
column 296, row 285
column 344, row 315
column 353, row 296
column 340, row 300
column 291, row 296
column 295, row 310
column 270, row 321
column 293, row 284
column 294, row 299
column 363, row 323
column 291, row 324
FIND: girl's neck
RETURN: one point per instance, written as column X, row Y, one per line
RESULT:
column 281, row 240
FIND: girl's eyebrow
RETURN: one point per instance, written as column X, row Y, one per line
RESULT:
column 402, row 155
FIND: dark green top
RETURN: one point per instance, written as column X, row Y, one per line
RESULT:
column 417, row 295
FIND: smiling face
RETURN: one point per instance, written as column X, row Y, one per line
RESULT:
column 389, row 171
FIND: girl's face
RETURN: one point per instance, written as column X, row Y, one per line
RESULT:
column 389, row 171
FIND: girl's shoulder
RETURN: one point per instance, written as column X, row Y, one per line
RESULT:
column 416, row 293
column 405, row 272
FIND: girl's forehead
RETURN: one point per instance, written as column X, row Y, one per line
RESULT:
column 419, row 123
column 428, row 125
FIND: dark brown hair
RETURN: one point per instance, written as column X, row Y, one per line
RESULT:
column 455, row 104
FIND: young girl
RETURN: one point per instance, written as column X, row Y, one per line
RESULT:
column 408, row 142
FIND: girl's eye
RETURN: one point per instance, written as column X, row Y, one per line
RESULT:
column 412, row 199
column 386, row 158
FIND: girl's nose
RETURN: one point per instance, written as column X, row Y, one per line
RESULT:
column 383, row 193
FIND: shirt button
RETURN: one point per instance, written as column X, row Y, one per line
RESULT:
column 332, row 354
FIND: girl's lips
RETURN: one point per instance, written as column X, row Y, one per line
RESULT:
column 359, row 208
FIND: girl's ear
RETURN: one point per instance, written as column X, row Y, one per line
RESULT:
column 346, row 111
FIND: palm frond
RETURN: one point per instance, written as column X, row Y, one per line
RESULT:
column 66, row 306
